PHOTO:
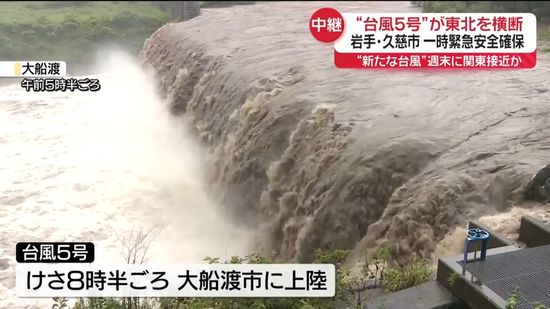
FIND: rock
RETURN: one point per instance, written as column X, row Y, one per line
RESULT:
column 538, row 188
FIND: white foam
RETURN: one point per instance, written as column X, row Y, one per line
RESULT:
column 101, row 166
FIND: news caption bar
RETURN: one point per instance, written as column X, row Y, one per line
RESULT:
column 33, row 68
column 46, row 76
column 428, row 40
column 66, row 270
column 54, row 252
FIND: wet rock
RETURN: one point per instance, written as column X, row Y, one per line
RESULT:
column 538, row 188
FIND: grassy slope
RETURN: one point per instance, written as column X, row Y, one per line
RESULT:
column 71, row 31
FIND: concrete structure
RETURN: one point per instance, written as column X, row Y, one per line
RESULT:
column 533, row 232
column 430, row 295
column 522, row 269
column 191, row 9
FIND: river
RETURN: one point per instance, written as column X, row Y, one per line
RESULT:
column 109, row 167
column 319, row 157
column 255, row 136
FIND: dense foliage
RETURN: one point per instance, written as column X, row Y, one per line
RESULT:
column 74, row 31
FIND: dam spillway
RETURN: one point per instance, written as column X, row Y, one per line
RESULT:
column 317, row 157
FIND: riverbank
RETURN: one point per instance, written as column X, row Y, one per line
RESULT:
column 75, row 31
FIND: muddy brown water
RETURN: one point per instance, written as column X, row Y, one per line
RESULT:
column 318, row 157
column 299, row 153
column 305, row 155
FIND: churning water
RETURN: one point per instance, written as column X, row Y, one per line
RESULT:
column 306, row 155
column 321, row 157
column 104, row 167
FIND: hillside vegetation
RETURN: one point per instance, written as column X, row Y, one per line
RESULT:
column 74, row 31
